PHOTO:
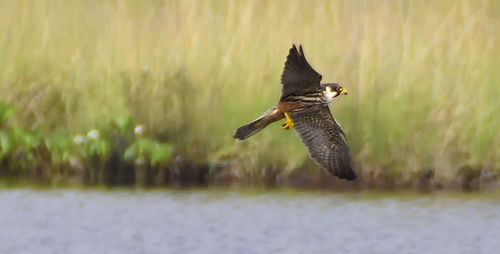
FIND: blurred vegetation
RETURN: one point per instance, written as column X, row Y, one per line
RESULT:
column 76, row 78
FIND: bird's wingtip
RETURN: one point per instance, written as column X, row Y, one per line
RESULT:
column 349, row 175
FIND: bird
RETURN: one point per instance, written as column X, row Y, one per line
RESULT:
column 304, row 106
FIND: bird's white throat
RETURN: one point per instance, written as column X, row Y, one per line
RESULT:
column 329, row 93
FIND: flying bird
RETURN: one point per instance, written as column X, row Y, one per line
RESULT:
column 304, row 105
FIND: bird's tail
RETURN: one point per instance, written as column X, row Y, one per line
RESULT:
column 260, row 123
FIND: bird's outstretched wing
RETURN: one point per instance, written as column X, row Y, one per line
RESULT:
column 298, row 76
column 325, row 140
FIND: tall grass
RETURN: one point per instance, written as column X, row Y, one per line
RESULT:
column 423, row 76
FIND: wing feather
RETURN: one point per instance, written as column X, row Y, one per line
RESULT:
column 298, row 76
column 325, row 140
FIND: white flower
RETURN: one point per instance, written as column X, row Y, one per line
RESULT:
column 139, row 129
column 93, row 134
column 79, row 139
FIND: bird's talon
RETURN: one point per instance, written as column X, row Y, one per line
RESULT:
column 288, row 124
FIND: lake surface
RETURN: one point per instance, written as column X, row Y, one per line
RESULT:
column 72, row 221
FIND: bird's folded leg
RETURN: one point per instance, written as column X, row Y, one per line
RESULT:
column 288, row 124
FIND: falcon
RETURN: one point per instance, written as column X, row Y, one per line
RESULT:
column 304, row 105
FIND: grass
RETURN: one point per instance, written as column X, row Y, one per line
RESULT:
column 422, row 75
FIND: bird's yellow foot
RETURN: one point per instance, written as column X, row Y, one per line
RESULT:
column 288, row 124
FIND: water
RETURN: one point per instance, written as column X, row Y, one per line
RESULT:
column 70, row 221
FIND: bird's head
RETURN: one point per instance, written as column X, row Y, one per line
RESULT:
column 332, row 90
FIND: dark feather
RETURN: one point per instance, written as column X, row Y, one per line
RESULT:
column 258, row 124
column 325, row 140
column 298, row 76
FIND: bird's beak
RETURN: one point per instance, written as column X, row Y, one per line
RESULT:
column 343, row 91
